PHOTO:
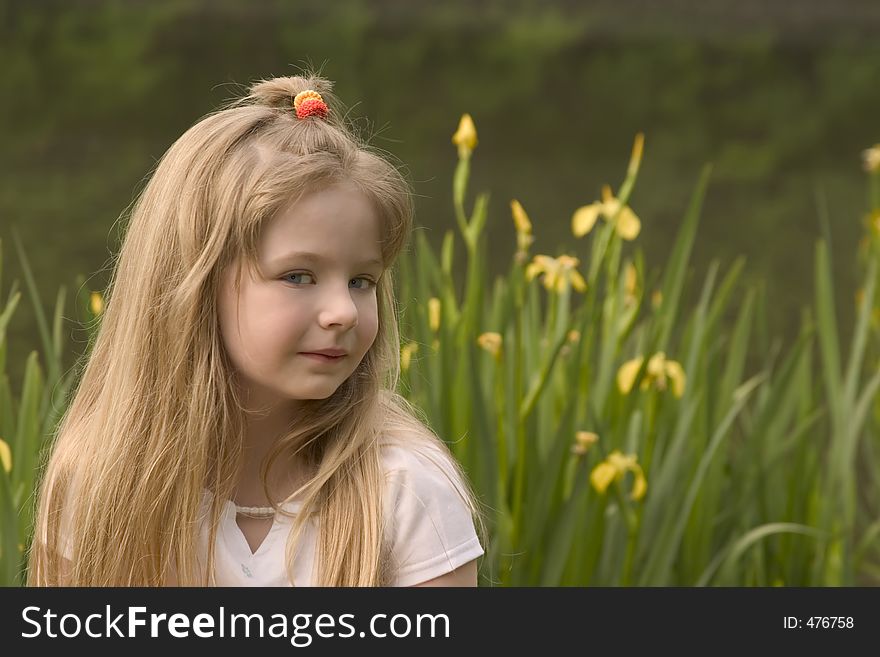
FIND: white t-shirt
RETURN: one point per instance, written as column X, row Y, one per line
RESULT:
column 429, row 527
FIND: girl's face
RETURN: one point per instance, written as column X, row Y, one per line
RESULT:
column 298, row 304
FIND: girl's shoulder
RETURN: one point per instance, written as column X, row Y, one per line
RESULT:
column 428, row 510
column 419, row 457
column 422, row 475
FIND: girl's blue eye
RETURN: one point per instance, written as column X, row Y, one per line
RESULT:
column 289, row 276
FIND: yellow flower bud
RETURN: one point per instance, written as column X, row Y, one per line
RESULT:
column 491, row 342
column 520, row 218
column 96, row 302
column 871, row 159
column 434, row 314
column 406, row 355
column 466, row 136
column 636, row 157
column 5, row 456
column 524, row 237
column 583, row 440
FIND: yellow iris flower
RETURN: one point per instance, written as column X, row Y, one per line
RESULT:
column 614, row 468
column 558, row 272
column 659, row 371
column 626, row 223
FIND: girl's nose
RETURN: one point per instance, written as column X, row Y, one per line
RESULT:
column 339, row 309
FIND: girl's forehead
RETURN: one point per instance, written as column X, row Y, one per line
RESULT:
column 330, row 223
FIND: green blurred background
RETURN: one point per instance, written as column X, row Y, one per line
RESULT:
column 781, row 97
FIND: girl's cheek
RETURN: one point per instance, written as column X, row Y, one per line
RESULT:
column 372, row 326
column 279, row 323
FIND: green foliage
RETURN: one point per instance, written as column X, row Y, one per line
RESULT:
column 28, row 420
column 743, row 487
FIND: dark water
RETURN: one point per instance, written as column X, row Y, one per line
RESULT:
column 780, row 101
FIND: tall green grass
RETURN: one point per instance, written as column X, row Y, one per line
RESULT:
column 29, row 413
column 753, row 477
column 563, row 386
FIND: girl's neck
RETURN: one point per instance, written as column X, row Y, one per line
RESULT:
column 262, row 431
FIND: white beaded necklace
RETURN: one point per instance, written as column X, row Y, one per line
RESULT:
column 255, row 511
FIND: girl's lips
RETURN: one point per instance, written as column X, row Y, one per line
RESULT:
column 321, row 358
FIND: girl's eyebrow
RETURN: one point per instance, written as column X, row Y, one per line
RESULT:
column 303, row 255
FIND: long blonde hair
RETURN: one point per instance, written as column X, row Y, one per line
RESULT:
column 154, row 423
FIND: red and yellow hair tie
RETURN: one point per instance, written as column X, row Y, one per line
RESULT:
column 309, row 102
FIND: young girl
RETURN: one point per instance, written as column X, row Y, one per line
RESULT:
column 237, row 422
